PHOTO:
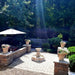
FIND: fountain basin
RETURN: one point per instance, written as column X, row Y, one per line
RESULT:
column 38, row 59
column 38, row 49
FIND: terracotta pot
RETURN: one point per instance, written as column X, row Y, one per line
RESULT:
column 27, row 42
column 62, row 44
column 61, row 56
column 5, row 50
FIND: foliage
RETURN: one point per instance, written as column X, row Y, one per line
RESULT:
column 16, row 14
column 58, row 13
column 54, row 41
column 50, row 50
column 71, row 49
column 72, row 62
column 45, row 46
column 61, row 51
column 58, row 16
column 60, row 36
column 72, row 36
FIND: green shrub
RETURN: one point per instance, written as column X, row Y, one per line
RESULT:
column 72, row 36
column 45, row 46
column 60, row 36
column 68, row 44
column 54, row 41
column 49, row 50
column 72, row 62
column 45, row 49
column 71, row 49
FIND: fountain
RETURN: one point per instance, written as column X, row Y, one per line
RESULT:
column 38, row 57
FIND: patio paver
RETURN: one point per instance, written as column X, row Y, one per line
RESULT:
column 25, row 63
column 25, row 66
column 16, row 71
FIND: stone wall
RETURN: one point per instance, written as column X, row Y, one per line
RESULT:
column 6, row 59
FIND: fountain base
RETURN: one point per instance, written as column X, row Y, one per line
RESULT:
column 38, row 59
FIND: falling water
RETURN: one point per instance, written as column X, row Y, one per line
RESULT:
column 40, row 19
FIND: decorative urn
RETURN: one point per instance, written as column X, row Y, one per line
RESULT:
column 5, row 48
column 62, row 51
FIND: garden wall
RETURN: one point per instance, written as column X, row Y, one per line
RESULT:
column 6, row 59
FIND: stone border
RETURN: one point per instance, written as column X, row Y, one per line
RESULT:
column 6, row 59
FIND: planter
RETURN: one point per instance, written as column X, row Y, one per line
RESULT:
column 62, row 51
column 5, row 48
column 62, row 43
column 27, row 42
column 61, row 56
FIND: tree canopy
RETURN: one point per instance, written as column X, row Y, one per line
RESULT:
column 58, row 16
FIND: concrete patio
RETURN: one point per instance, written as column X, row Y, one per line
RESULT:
column 25, row 66
column 25, row 63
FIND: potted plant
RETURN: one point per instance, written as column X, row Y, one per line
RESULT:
column 5, row 48
column 62, row 53
column 27, row 41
